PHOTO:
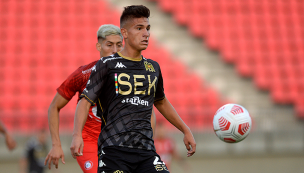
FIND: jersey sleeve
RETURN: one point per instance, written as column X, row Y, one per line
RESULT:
column 95, row 83
column 160, row 94
column 69, row 87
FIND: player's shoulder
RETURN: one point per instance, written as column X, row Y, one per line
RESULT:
column 111, row 58
column 87, row 68
column 84, row 69
column 148, row 62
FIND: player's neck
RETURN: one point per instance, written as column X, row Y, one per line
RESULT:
column 131, row 53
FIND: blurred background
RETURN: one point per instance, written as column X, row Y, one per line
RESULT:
column 211, row 52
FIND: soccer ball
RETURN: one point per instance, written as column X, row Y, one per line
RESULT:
column 232, row 123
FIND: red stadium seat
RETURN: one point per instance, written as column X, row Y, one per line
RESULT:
column 166, row 5
column 272, row 29
column 43, row 42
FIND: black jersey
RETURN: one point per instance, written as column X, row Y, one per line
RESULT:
column 35, row 154
column 125, row 90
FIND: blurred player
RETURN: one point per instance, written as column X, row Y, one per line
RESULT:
column 35, row 152
column 165, row 147
column 125, row 86
column 109, row 42
column 9, row 141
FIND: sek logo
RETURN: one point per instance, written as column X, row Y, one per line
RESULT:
column 120, row 65
column 137, row 81
column 135, row 101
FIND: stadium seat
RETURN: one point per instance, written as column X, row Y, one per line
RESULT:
column 42, row 42
column 264, row 39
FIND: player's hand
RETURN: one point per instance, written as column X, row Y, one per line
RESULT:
column 189, row 143
column 54, row 156
column 76, row 146
column 10, row 142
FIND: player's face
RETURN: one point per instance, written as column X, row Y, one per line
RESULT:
column 138, row 33
column 110, row 45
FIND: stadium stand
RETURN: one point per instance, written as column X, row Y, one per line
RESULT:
column 264, row 39
column 42, row 42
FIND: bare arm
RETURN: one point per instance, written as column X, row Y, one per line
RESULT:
column 167, row 110
column 10, row 142
column 81, row 115
column 153, row 121
column 53, row 113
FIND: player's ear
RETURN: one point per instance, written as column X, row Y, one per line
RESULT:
column 124, row 32
column 98, row 46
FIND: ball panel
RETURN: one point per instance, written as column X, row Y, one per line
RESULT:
column 229, row 140
column 243, row 128
column 224, row 124
column 236, row 110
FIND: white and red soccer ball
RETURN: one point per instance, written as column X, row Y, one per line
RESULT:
column 232, row 123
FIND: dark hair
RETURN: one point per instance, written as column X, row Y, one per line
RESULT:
column 134, row 11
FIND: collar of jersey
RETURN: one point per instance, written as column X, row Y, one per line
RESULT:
column 128, row 58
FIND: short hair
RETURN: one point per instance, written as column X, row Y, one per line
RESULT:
column 106, row 30
column 133, row 11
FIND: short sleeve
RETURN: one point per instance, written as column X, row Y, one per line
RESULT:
column 95, row 83
column 160, row 94
column 69, row 87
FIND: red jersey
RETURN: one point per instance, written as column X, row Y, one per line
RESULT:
column 77, row 82
column 165, row 149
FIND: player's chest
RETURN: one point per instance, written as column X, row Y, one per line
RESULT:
column 133, row 78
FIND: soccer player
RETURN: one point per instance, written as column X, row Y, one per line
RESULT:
column 36, row 149
column 9, row 141
column 125, row 86
column 109, row 42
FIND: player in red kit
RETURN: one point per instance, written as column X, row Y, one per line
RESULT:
column 109, row 42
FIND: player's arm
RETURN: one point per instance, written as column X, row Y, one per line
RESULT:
column 167, row 110
column 153, row 121
column 56, row 151
column 87, row 98
column 10, row 142
column 82, row 111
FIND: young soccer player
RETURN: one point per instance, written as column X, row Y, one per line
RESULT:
column 109, row 42
column 125, row 86
column 35, row 151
